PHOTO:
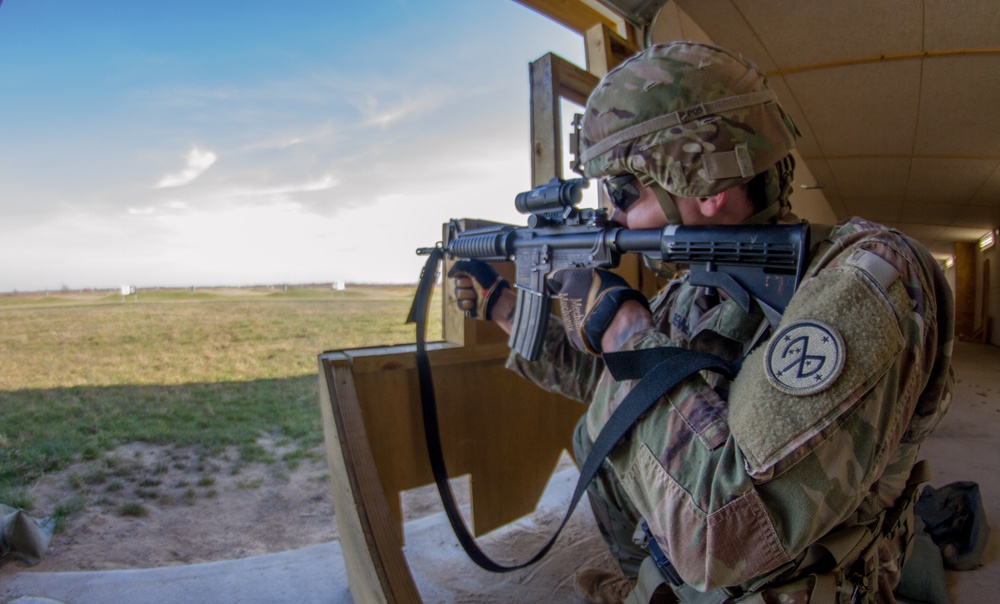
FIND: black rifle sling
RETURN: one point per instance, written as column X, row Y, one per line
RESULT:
column 657, row 369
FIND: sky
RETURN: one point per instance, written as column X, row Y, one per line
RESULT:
column 193, row 143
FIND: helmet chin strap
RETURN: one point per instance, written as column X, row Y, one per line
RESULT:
column 667, row 203
column 764, row 216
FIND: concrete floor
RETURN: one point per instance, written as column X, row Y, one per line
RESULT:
column 962, row 448
column 966, row 446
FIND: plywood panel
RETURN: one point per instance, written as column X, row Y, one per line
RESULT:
column 816, row 31
column 951, row 24
column 506, row 432
column 931, row 213
column 376, row 568
column 807, row 144
column 989, row 194
column 726, row 25
column 673, row 23
column 882, row 178
column 869, row 108
column 966, row 176
column 982, row 217
column 958, row 100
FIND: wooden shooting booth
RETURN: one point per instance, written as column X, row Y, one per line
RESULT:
column 504, row 432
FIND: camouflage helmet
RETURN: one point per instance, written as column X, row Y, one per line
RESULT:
column 692, row 118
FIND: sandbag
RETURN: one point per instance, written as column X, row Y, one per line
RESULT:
column 922, row 579
column 23, row 537
column 956, row 520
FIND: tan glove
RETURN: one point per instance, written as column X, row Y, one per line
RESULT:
column 589, row 299
column 477, row 287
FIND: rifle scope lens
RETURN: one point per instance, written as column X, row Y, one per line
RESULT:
column 553, row 196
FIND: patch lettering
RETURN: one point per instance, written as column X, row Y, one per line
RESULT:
column 805, row 357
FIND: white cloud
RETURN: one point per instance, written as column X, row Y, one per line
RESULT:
column 331, row 172
column 323, row 184
column 198, row 160
column 382, row 114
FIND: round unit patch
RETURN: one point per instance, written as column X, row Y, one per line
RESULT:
column 805, row 357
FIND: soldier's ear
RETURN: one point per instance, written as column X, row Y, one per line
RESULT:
column 710, row 206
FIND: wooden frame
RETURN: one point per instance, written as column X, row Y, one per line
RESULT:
column 579, row 15
column 508, row 443
column 552, row 78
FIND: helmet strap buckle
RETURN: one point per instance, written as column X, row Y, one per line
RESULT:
column 574, row 144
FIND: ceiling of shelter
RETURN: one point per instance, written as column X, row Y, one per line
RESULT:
column 898, row 101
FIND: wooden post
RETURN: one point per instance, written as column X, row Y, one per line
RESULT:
column 605, row 49
column 965, row 289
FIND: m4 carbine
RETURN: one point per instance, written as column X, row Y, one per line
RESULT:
column 760, row 264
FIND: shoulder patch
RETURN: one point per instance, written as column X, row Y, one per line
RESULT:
column 805, row 357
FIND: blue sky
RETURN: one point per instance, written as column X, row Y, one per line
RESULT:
column 224, row 143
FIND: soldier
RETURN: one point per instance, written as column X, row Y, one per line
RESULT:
column 793, row 481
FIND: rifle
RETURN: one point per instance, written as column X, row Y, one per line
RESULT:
column 753, row 264
column 750, row 263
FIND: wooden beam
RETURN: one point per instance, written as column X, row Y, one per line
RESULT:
column 605, row 49
column 546, row 146
column 573, row 14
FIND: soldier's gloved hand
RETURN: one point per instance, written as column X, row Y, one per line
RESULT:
column 589, row 300
column 477, row 287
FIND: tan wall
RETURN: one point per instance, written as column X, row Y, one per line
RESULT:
column 991, row 255
column 965, row 289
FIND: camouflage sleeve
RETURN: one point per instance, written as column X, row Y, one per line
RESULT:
column 560, row 368
column 735, row 489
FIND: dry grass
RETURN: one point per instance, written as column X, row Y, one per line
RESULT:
column 85, row 373
column 179, row 337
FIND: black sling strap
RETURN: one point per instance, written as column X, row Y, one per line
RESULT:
column 657, row 369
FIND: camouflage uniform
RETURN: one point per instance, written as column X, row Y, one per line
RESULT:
column 737, row 480
column 746, row 486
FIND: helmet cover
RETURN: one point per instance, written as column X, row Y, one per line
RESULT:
column 692, row 118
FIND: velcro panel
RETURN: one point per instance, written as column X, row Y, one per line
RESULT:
column 775, row 429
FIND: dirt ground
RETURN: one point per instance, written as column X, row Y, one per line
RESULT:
column 161, row 506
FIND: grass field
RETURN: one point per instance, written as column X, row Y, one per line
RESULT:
column 83, row 373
